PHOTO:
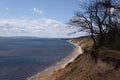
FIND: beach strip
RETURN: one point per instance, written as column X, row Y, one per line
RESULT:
column 59, row 65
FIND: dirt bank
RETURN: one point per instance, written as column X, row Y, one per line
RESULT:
column 105, row 65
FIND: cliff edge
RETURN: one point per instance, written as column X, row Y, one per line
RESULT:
column 103, row 65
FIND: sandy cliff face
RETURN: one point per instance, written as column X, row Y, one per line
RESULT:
column 89, row 66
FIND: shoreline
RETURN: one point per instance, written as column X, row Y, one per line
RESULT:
column 59, row 65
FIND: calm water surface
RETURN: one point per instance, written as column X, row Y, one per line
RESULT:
column 24, row 57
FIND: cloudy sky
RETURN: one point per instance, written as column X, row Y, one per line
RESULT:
column 42, row 18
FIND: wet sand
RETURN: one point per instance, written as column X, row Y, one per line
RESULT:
column 59, row 65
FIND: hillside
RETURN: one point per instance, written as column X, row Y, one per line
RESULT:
column 103, row 65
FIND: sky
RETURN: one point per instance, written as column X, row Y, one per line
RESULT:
column 42, row 18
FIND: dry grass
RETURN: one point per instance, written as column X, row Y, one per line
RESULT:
column 109, row 52
column 85, row 42
column 85, row 68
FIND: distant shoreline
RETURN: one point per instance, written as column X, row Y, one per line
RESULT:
column 59, row 65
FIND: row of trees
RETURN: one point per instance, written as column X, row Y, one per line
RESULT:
column 100, row 18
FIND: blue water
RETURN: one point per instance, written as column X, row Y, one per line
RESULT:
column 23, row 57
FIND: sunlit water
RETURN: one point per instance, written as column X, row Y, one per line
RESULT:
column 23, row 57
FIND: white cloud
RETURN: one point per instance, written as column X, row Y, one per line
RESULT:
column 39, row 27
column 38, row 11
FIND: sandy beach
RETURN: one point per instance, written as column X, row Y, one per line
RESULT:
column 59, row 65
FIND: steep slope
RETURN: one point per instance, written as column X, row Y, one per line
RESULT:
column 103, row 65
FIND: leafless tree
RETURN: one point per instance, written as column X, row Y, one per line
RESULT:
column 97, row 19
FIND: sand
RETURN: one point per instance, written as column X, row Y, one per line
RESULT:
column 59, row 65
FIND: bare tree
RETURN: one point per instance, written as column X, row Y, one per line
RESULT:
column 96, row 19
